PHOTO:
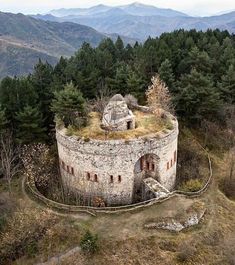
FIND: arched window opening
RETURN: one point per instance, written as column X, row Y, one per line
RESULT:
column 95, row 178
column 68, row 169
column 119, row 178
column 88, row 176
column 153, row 167
column 168, row 165
column 63, row 165
column 72, row 171
column 148, row 165
column 175, row 156
column 111, row 178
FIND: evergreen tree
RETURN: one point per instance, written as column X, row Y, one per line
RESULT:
column 197, row 98
column 41, row 80
column 199, row 61
column 119, row 48
column 136, row 85
column 227, row 86
column 69, row 105
column 166, row 74
column 119, row 82
column 30, row 126
column 3, row 120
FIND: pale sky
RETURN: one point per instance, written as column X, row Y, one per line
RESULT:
column 192, row 7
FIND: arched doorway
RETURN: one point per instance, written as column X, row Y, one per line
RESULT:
column 145, row 167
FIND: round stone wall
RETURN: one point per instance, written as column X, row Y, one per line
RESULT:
column 107, row 169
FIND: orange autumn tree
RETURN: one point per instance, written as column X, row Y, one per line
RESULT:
column 158, row 96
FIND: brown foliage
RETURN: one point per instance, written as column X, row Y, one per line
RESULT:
column 158, row 96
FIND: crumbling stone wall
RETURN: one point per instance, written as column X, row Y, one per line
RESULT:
column 106, row 168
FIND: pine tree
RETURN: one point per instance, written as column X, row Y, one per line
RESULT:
column 198, row 99
column 119, row 48
column 135, row 84
column 30, row 126
column 166, row 74
column 69, row 106
column 200, row 60
column 3, row 120
column 227, row 86
column 41, row 80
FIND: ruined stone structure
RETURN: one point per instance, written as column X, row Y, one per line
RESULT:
column 115, row 170
column 117, row 116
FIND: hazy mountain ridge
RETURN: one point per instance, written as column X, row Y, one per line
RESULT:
column 138, row 20
column 23, row 40
column 132, row 9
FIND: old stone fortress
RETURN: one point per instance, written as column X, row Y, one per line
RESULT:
column 121, row 170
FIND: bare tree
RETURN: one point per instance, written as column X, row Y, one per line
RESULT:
column 9, row 155
column 158, row 96
column 101, row 99
column 229, row 181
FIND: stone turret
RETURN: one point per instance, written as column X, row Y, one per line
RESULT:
column 117, row 116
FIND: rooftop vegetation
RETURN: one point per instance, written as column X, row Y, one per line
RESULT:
column 146, row 123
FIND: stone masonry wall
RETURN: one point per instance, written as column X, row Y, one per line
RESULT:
column 106, row 168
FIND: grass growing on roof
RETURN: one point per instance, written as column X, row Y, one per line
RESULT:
column 146, row 123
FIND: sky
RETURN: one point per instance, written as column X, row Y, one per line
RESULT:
column 191, row 7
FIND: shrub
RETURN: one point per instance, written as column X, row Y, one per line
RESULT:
column 89, row 243
column 192, row 185
column 186, row 252
column 2, row 222
column 131, row 101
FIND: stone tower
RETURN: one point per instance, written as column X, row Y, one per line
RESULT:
column 118, row 170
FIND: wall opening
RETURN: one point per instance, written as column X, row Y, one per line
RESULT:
column 146, row 166
column 111, row 178
column 119, row 178
column 95, row 178
column 129, row 125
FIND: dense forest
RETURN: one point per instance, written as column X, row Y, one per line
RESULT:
column 198, row 68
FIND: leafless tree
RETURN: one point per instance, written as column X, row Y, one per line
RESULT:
column 131, row 101
column 229, row 181
column 101, row 100
column 9, row 155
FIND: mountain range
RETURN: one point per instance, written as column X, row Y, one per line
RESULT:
column 25, row 39
column 139, row 21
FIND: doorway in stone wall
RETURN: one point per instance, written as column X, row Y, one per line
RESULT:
column 129, row 125
column 145, row 167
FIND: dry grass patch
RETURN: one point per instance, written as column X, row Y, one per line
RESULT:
column 146, row 123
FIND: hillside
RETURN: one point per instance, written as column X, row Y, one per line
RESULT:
column 23, row 40
column 138, row 20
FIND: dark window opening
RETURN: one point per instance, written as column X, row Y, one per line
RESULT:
column 95, row 178
column 88, row 176
column 72, row 170
column 171, row 162
column 119, row 178
column 129, row 125
column 68, row 169
column 175, row 156
column 141, row 164
column 111, row 179
column 168, row 165
column 153, row 167
column 148, row 165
